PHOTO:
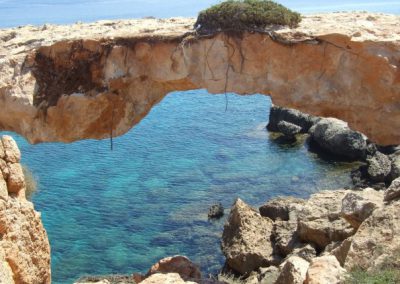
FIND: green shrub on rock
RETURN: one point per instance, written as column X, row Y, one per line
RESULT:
column 245, row 15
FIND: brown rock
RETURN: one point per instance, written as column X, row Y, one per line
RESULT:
column 325, row 270
column 4, row 169
column 376, row 239
column 393, row 191
column 11, row 150
column 2, row 153
column 279, row 208
column 358, row 206
column 246, row 239
column 293, row 271
column 3, row 188
column 176, row 264
column 305, row 251
column 339, row 250
column 320, row 222
column 16, row 179
column 285, row 237
column 169, row 278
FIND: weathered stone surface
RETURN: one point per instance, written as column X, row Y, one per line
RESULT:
column 278, row 114
column 320, row 222
column 305, row 251
column 325, row 270
column 216, row 211
column 376, row 239
column 379, row 167
column 339, row 250
column 11, row 150
column 279, row 208
column 358, row 206
column 334, row 136
column 169, row 278
column 268, row 275
column 293, row 271
column 123, row 69
column 393, row 191
column 395, row 168
column 176, row 264
column 246, row 239
column 288, row 129
column 3, row 188
column 16, row 179
column 284, row 237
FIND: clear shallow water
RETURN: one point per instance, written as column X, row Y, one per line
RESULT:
column 119, row 212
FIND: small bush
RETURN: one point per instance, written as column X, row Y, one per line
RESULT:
column 245, row 15
column 30, row 181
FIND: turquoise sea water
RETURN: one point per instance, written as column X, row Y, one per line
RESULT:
column 120, row 211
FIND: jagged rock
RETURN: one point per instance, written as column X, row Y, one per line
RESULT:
column 325, row 270
column 335, row 137
column 289, row 130
column 216, row 211
column 278, row 114
column 24, row 246
column 358, row 206
column 320, row 222
column 280, row 208
column 11, row 150
column 379, row 167
column 4, row 169
column 16, row 179
column 395, row 168
column 169, row 278
column 246, row 239
column 284, row 237
column 339, row 250
column 176, row 264
column 293, row 271
column 268, row 275
column 393, row 191
column 376, row 239
column 305, row 251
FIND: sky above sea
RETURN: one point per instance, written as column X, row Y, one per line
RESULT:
column 37, row 12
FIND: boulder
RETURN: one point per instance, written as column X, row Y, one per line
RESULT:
column 395, row 168
column 278, row 114
column 334, row 136
column 246, row 239
column 289, row 130
column 268, row 275
column 379, row 167
column 280, row 208
column 216, row 211
column 325, row 270
column 393, row 191
column 169, row 278
column 376, row 240
column 11, row 150
column 339, row 250
column 320, row 220
column 293, row 271
column 16, row 179
column 358, row 206
column 176, row 264
column 284, row 237
column 305, row 251
column 3, row 188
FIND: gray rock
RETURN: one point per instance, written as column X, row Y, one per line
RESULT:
column 393, row 191
column 334, row 136
column 278, row 114
column 216, row 211
column 379, row 167
column 305, row 251
column 395, row 170
column 268, row 275
column 293, row 271
column 288, row 129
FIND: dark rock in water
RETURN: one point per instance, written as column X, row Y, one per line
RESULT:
column 334, row 136
column 289, row 130
column 278, row 114
column 379, row 167
column 216, row 211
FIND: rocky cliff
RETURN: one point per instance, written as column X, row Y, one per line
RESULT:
column 65, row 83
column 24, row 246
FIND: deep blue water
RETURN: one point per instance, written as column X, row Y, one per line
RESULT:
column 120, row 211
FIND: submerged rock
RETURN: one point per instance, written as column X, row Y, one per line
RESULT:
column 216, row 211
column 246, row 239
column 334, row 136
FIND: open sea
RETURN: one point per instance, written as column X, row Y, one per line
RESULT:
column 120, row 211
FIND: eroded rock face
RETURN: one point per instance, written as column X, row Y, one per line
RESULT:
column 246, row 239
column 24, row 246
column 100, row 80
column 325, row 270
column 393, row 191
column 293, row 271
column 176, row 264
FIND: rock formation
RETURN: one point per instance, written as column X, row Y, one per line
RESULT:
column 24, row 246
column 65, row 83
